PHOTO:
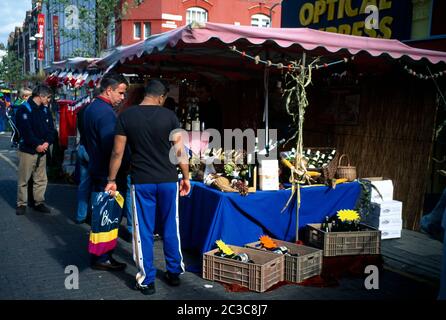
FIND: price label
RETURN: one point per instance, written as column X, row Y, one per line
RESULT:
column 119, row 199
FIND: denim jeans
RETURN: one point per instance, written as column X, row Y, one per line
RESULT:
column 432, row 222
column 128, row 206
column 84, row 188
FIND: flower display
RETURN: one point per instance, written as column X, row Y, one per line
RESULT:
column 348, row 215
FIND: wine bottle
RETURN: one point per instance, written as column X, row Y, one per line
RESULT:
column 188, row 126
column 326, row 225
column 196, row 121
column 251, row 166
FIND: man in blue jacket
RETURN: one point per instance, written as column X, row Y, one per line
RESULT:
column 99, row 121
column 37, row 133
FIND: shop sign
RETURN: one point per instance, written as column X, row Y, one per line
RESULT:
column 56, row 38
column 389, row 19
column 41, row 39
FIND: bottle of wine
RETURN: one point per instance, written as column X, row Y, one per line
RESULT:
column 188, row 125
column 196, row 121
column 326, row 225
column 321, row 161
column 251, row 171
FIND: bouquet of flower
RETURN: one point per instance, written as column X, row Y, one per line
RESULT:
column 346, row 220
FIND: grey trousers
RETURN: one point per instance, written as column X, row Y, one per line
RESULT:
column 29, row 166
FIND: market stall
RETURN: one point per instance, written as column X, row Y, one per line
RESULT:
column 208, row 215
column 236, row 57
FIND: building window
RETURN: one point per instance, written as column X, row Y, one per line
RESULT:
column 196, row 14
column 137, row 30
column 147, row 30
column 260, row 20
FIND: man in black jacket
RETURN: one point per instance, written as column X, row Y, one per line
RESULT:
column 37, row 134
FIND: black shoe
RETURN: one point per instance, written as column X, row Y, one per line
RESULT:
column 109, row 265
column 42, row 208
column 146, row 290
column 20, row 210
column 172, row 279
column 126, row 236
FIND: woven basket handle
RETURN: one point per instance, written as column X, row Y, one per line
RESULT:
column 340, row 159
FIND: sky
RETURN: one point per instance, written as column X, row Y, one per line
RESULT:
column 12, row 14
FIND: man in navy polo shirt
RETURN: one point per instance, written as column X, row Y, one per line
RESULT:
column 99, row 121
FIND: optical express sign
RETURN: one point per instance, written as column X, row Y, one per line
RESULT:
column 353, row 17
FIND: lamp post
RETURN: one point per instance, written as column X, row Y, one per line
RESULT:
column 271, row 12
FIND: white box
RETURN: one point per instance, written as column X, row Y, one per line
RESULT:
column 390, row 234
column 388, row 209
column 269, row 175
column 391, row 222
column 385, row 188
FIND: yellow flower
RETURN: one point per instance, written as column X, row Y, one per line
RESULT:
column 348, row 215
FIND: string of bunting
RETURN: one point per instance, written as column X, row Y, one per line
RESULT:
column 424, row 76
column 289, row 66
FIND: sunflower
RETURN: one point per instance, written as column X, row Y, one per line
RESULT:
column 348, row 215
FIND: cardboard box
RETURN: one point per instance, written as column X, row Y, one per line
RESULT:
column 384, row 222
column 388, row 209
column 269, row 175
column 385, row 188
column 390, row 234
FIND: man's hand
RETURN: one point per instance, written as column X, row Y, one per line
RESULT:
column 111, row 188
column 46, row 145
column 184, row 187
column 40, row 149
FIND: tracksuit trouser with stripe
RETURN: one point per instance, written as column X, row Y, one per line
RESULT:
column 155, row 203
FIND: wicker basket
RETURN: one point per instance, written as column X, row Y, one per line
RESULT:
column 348, row 172
column 329, row 171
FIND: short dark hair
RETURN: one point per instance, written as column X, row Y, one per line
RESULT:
column 112, row 80
column 156, row 88
column 41, row 90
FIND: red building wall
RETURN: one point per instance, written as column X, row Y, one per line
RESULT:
column 219, row 11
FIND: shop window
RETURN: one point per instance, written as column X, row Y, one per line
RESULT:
column 196, row 14
column 137, row 30
column 147, row 30
column 260, row 20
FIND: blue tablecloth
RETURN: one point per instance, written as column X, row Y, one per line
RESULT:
column 207, row 215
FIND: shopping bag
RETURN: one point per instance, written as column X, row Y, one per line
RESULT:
column 105, row 218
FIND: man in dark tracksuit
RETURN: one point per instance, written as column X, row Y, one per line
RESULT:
column 37, row 133
column 99, row 121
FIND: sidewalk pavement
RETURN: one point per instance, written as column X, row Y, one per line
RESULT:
column 37, row 251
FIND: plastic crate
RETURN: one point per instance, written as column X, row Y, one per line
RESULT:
column 266, row 271
column 345, row 243
column 308, row 264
